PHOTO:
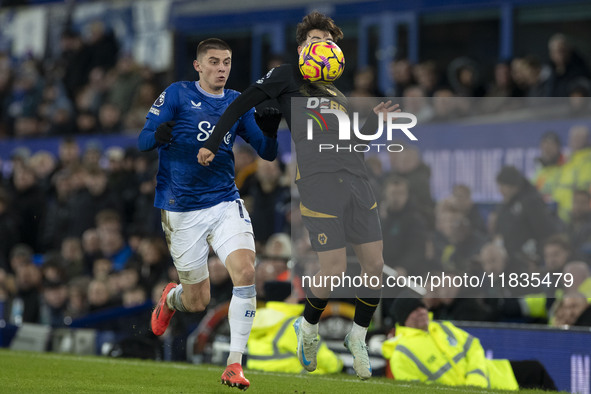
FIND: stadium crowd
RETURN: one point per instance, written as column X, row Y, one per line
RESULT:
column 80, row 233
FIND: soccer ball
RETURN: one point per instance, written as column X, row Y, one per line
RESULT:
column 321, row 61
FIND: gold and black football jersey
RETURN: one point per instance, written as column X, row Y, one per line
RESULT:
column 300, row 101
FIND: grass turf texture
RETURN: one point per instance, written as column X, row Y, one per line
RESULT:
column 24, row 372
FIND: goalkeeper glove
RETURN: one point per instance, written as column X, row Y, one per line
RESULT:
column 268, row 121
column 163, row 133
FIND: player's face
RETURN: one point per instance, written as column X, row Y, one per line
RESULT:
column 214, row 69
column 315, row 35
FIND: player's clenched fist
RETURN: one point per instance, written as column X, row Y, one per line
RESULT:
column 205, row 156
column 163, row 133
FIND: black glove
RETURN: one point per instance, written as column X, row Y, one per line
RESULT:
column 163, row 133
column 268, row 120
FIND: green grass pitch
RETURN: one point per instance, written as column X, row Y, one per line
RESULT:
column 24, row 372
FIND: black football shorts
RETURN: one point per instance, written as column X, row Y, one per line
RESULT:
column 338, row 207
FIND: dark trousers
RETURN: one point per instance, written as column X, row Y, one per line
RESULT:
column 531, row 374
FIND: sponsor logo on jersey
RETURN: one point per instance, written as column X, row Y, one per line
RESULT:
column 260, row 81
column 155, row 111
column 195, row 105
column 160, row 100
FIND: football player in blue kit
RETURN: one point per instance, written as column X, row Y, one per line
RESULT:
column 201, row 206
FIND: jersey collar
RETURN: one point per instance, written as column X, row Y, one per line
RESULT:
column 206, row 94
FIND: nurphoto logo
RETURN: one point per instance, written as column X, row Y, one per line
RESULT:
column 319, row 108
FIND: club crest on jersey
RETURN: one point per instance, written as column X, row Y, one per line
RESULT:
column 160, row 100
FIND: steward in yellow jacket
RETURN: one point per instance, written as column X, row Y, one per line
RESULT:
column 272, row 343
column 439, row 352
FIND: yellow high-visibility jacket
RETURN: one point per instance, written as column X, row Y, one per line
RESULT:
column 445, row 355
column 273, row 343
column 546, row 180
column 575, row 174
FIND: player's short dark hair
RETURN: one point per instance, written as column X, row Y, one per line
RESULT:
column 211, row 43
column 316, row 20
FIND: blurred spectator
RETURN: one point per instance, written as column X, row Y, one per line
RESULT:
column 122, row 179
column 43, row 163
column 401, row 75
column 415, row 101
column 464, row 76
column 409, row 165
column 245, row 167
column 94, row 198
column 403, row 228
column 77, row 298
column 110, row 119
column 92, row 95
column 456, row 243
column 462, row 199
column 93, row 151
column 579, row 228
column 99, row 297
column 155, row 259
column 72, row 257
column 102, row 268
column 103, row 48
column 6, row 75
column 456, row 303
column 569, row 311
column 58, row 213
column 90, row 248
column 134, row 297
column 146, row 216
column 24, row 99
column 523, row 221
column 20, row 256
column 28, row 285
column 111, row 240
column 269, row 197
column 566, row 66
column 557, row 252
column 54, row 303
column 580, row 273
column 547, row 176
column 145, row 95
column 427, row 77
column 576, row 172
column 86, row 122
column 445, row 105
column 68, row 154
column 503, row 85
column 125, row 81
column 28, row 205
column 9, row 228
column 55, row 111
column 364, row 83
column 532, row 80
column 74, row 63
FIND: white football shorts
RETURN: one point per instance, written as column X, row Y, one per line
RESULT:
column 225, row 226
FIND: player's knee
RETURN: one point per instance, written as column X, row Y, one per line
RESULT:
column 334, row 268
column 374, row 266
column 245, row 275
column 198, row 303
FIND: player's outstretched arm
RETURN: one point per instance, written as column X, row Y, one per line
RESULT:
column 259, row 129
column 248, row 99
column 154, row 134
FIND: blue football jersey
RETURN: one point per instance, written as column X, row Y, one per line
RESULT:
column 182, row 183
